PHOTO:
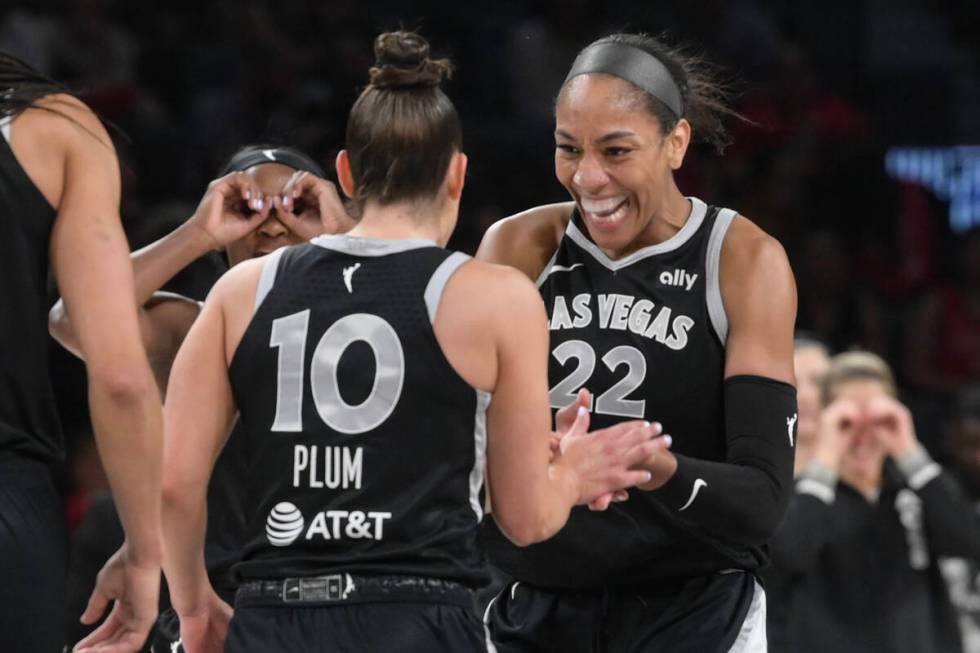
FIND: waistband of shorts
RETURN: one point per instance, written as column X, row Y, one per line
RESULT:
column 349, row 589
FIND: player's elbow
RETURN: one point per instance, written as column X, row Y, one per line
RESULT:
column 173, row 490
column 524, row 527
column 122, row 384
column 760, row 525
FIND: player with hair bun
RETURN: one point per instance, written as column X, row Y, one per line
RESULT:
column 362, row 367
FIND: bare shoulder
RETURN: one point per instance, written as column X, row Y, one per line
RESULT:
column 58, row 136
column 750, row 251
column 526, row 240
column 238, row 284
column 497, row 286
column 759, row 295
column 65, row 116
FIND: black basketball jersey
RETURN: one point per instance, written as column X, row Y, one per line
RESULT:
column 226, row 512
column 366, row 450
column 29, row 422
column 645, row 335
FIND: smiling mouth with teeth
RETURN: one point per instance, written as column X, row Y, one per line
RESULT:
column 601, row 214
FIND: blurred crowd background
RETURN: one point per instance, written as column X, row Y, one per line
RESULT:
column 862, row 155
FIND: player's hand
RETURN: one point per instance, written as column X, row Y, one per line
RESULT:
column 838, row 424
column 564, row 419
column 605, row 461
column 205, row 631
column 232, row 207
column 310, row 206
column 134, row 590
column 891, row 422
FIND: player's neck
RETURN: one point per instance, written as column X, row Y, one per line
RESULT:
column 402, row 221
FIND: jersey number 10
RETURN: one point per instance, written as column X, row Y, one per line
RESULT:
column 289, row 336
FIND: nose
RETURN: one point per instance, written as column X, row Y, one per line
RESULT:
column 272, row 228
column 589, row 175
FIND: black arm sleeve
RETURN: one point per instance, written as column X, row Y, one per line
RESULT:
column 742, row 499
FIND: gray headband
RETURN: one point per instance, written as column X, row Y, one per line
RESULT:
column 634, row 65
column 254, row 156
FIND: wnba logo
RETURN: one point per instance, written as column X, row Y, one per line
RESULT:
column 284, row 525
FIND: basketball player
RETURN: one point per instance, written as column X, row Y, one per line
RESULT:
column 362, row 367
column 59, row 204
column 266, row 197
column 669, row 310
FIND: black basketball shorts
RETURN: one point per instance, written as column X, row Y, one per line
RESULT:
column 720, row 613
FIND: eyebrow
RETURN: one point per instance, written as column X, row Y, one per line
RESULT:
column 611, row 136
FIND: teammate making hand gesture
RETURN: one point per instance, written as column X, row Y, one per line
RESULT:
column 267, row 197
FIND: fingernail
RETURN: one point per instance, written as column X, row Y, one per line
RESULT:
column 248, row 194
column 581, row 411
column 668, row 440
column 259, row 203
column 649, row 477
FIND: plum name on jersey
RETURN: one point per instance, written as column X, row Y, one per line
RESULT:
column 334, row 468
column 622, row 313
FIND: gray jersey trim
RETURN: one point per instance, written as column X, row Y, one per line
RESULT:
column 546, row 272
column 368, row 246
column 698, row 211
column 712, row 264
column 437, row 283
column 5, row 127
column 479, row 470
column 268, row 278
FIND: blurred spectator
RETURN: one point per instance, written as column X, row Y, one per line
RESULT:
column 811, row 358
column 832, row 304
column 963, row 574
column 943, row 348
column 871, row 516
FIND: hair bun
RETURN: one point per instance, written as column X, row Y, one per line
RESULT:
column 402, row 62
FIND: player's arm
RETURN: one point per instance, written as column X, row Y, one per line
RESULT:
column 743, row 498
column 164, row 318
column 90, row 258
column 198, row 414
column 527, row 240
column 531, row 497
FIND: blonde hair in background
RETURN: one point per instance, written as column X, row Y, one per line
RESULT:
column 856, row 365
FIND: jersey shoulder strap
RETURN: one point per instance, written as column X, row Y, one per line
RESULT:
column 712, row 264
column 439, row 279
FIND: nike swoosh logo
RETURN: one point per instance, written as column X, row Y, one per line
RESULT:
column 698, row 484
column 562, row 268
